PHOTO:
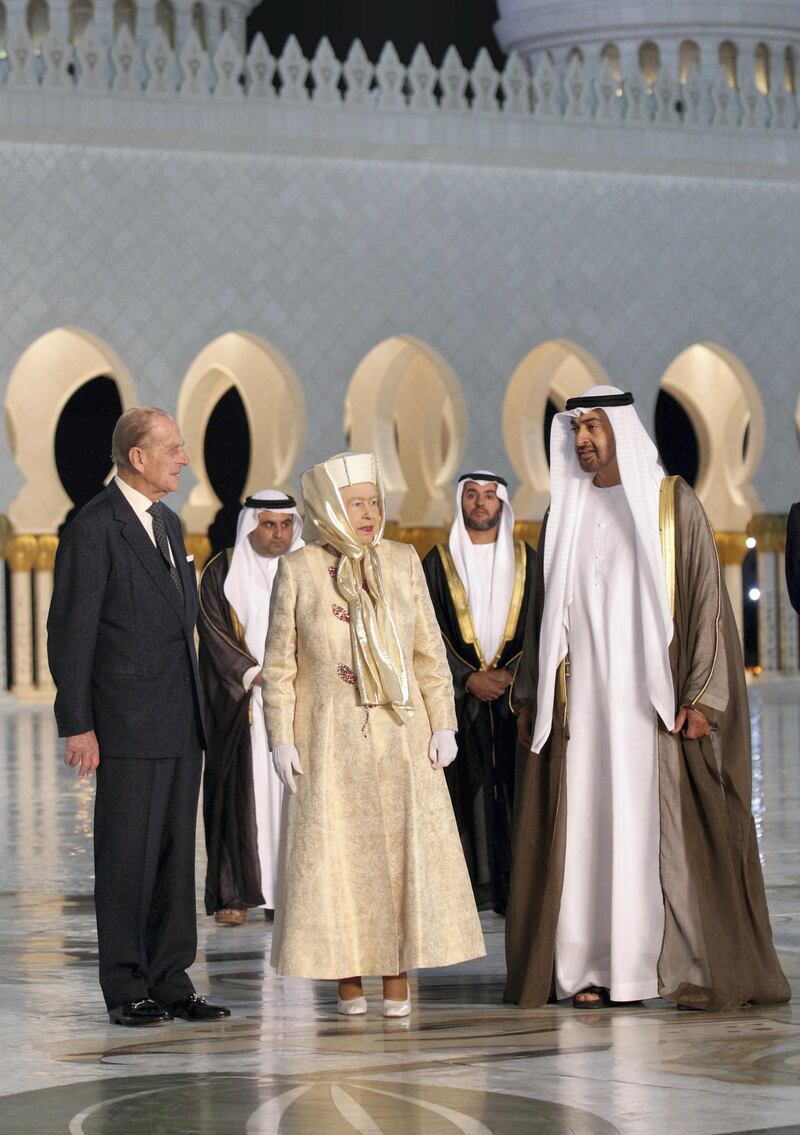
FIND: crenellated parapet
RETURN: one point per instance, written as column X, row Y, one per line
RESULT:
column 59, row 60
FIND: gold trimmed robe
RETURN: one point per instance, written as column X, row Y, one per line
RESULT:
column 233, row 872
column 481, row 780
column 717, row 950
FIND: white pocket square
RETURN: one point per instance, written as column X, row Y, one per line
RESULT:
column 190, row 559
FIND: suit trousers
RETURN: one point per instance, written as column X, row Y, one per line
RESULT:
column 144, row 850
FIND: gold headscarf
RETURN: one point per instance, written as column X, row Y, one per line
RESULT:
column 378, row 660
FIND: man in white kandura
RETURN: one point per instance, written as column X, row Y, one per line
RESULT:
column 241, row 794
column 636, row 871
column 479, row 582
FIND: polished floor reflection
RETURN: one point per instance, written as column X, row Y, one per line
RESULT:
column 284, row 1062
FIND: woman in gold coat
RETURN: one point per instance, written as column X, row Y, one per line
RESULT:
column 358, row 702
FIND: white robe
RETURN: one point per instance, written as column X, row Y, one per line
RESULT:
column 611, row 918
column 268, row 800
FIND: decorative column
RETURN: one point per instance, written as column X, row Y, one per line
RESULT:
column 5, row 536
column 789, row 631
column 42, row 593
column 732, row 549
column 669, row 51
column 21, row 557
column 199, row 547
column 769, row 530
column 787, row 625
column 183, row 22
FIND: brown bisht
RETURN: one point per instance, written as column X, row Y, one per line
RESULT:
column 233, row 876
column 717, row 950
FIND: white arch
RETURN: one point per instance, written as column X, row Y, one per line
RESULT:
column 276, row 414
column 46, row 376
column 722, row 401
column 404, row 403
column 555, row 370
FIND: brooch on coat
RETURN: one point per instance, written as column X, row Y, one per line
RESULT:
column 346, row 674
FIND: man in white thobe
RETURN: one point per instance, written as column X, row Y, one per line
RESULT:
column 241, row 793
column 636, row 869
column 607, row 607
column 479, row 583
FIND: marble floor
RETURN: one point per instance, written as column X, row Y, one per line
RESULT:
column 284, row 1062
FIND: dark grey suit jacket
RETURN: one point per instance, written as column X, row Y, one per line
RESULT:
column 120, row 640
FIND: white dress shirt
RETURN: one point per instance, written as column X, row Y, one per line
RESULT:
column 140, row 504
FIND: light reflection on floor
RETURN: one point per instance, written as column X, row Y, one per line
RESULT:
column 462, row 1063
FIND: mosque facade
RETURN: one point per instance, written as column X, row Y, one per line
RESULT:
column 425, row 261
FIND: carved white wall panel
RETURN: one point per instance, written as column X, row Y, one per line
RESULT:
column 325, row 251
column 228, row 64
column 484, row 81
column 293, row 69
column 358, row 73
column 260, row 67
column 326, row 70
column 422, row 79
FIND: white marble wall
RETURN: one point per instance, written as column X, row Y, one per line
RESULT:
column 158, row 251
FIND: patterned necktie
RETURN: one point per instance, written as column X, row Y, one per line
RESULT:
column 156, row 510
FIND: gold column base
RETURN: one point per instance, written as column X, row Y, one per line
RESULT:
column 731, row 547
column 769, row 529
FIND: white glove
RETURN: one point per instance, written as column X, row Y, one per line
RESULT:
column 443, row 749
column 286, row 762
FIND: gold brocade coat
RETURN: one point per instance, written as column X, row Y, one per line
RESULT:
column 371, row 875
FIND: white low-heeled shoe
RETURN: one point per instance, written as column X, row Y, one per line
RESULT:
column 396, row 1008
column 355, row 1007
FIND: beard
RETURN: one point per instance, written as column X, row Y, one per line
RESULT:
column 482, row 525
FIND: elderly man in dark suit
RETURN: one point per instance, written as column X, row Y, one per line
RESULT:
column 793, row 556
column 121, row 651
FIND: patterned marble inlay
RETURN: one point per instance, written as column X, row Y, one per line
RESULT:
column 462, row 1062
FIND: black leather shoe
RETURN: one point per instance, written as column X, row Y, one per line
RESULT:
column 196, row 1008
column 139, row 1014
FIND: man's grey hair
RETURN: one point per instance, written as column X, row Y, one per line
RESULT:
column 131, row 430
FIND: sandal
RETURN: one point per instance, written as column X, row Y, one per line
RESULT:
column 601, row 998
column 229, row 917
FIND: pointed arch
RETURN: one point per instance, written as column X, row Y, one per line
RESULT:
column 721, row 399
column 649, row 61
column 124, row 14
column 688, row 59
column 762, row 65
column 552, row 372
column 405, row 404
column 199, row 23
column 729, row 61
column 38, row 20
column 610, row 51
column 273, row 403
column 44, row 379
column 165, row 20
column 81, row 14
